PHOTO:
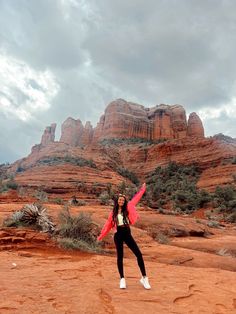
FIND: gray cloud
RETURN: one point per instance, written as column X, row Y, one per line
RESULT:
column 148, row 52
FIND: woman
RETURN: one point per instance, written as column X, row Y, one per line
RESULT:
column 123, row 215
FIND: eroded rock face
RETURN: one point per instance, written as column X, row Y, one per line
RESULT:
column 87, row 135
column 75, row 134
column 195, row 127
column 71, row 131
column 124, row 119
column 48, row 135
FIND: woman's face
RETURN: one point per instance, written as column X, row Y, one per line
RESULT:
column 121, row 201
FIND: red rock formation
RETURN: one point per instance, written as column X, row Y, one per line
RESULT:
column 217, row 176
column 48, row 135
column 207, row 153
column 195, row 127
column 87, row 135
column 126, row 120
column 75, row 134
column 71, row 131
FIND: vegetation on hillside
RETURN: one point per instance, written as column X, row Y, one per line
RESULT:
column 128, row 141
column 174, row 186
column 78, row 161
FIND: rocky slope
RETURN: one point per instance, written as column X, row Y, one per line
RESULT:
column 128, row 136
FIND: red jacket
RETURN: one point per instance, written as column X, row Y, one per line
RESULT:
column 132, row 214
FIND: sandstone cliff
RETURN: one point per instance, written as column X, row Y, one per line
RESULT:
column 124, row 119
column 48, row 135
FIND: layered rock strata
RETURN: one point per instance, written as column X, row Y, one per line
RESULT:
column 124, row 119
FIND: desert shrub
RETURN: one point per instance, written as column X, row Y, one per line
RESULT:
column 32, row 215
column 213, row 224
column 231, row 217
column 203, row 197
column 5, row 185
column 78, row 232
column 15, row 220
column 225, row 198
column 78, row 161
column 162, row 238
column 22, row 191
column 130, row 191
column 128, row 174
column 127, row 141
column 110, row 191
column 58, row 201
column 75, row 244
column 40, row 195
column 11, row 185
column 159, row 236
column 81, row 203
column 225, row 193
column 104, row 198
column 122, row 187
column 176, row 184
column 20, row 169
column 3, row 188
column 234, row 160
column 81, row 186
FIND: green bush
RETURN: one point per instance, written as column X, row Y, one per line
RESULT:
column 81, row 203
column 20, row 169
column 128, row 174
column 12, row 185
column 234, row 160
column 58, row 201
column 231, row 218
column 104, row 198
column 33, row 216
column 225, row 198
column 3, row 188
column 122, row 187
column 176, row 184
column 40, row 195
column 77, row 231
column 127, row 141
column 78, row 161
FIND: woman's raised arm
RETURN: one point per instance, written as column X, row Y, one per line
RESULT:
column 138, row 195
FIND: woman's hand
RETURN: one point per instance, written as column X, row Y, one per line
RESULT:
column 144, row 185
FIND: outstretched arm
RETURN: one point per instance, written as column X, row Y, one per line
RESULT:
column 107, row 227
column 138, row 195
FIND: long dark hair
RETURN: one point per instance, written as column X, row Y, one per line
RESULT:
column 124, row 210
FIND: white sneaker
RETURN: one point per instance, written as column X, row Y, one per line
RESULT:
column 122, row 283
column 144, row 281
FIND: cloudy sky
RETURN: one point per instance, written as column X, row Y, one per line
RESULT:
column 61, row 58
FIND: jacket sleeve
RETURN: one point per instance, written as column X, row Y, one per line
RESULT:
column 137, row 196
column 106, row 228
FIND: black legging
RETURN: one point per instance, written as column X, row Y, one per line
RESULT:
column 122, row 235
